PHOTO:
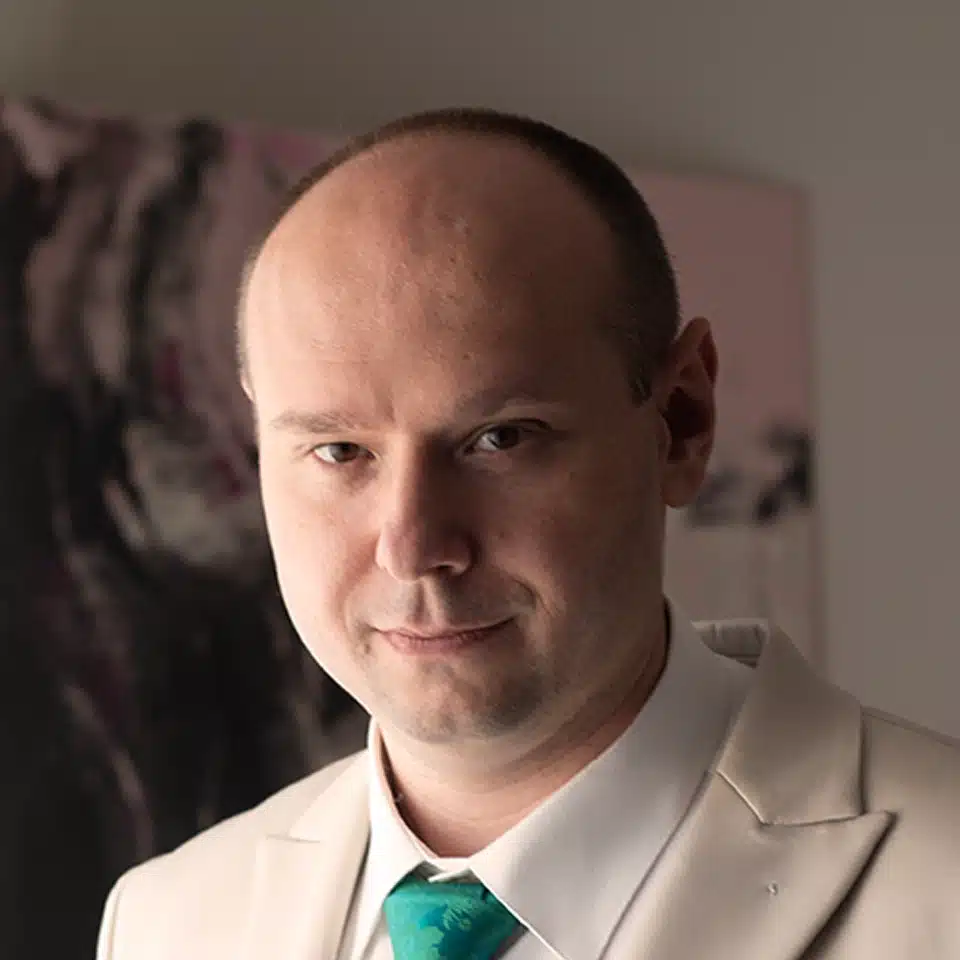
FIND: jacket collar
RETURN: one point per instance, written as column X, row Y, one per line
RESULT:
column 304, row 878
column 780, row 835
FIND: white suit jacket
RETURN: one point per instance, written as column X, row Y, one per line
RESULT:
column 825, row 831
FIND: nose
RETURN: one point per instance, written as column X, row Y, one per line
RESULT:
column 422, row 528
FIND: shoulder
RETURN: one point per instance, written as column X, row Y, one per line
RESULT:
column 914, row 775
column 213, row 871
column 910, row 770
column 275, row 815
column 908, row 899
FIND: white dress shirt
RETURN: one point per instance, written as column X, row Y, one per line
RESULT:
column 571, row 869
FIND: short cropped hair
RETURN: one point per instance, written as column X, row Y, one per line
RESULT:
column 646, row 314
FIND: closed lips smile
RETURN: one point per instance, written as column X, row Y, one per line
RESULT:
column 447, row 639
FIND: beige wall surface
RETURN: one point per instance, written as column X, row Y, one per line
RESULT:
column 853, row 101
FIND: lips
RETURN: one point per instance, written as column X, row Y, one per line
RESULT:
column 448, row 639
column 452, row 631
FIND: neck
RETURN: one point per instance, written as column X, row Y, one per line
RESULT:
column 457, row 804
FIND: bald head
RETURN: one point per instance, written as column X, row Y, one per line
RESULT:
column 456, row 223
column 463, row 196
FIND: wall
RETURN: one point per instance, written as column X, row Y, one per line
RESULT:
column 853, row 100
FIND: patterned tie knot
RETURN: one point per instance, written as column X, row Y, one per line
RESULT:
column 446, row 921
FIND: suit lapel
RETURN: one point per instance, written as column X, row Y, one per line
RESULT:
column 779, row 836
column 733, row 888
column 304, row 879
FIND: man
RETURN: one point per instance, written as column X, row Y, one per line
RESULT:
column 474, row 403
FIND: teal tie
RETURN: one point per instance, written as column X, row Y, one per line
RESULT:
column 446, row 921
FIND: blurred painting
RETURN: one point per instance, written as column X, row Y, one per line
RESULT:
column 746, row 548
column 150, row 681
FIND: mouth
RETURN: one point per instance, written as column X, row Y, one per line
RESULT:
column 447, row 640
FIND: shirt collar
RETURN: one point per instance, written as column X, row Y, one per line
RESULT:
column 393, row 850
column 619, row 812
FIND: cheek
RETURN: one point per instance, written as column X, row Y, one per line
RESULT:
column 317, row 563
column 537, row 540
column 583, row 534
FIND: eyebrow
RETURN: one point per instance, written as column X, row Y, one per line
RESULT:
column 485, row 403
column 306, row 422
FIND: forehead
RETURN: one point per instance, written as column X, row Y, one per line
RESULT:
column 437, row 248
column 486, row 187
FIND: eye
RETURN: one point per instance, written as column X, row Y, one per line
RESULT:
column 338, row 453
column 500, row 438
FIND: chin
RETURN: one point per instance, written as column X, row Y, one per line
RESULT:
column 456, row 723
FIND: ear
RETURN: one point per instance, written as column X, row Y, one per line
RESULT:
column 684, row 395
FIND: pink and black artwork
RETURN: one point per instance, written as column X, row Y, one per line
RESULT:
column 746, row 548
